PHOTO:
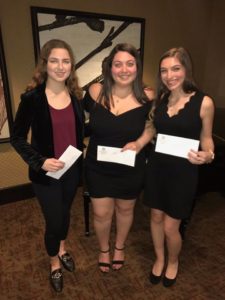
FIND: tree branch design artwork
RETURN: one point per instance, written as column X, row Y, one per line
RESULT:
column 107, row 42
column 91, row 36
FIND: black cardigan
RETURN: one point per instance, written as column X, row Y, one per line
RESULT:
column 33, row 113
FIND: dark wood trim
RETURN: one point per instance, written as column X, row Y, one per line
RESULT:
column 16, row 193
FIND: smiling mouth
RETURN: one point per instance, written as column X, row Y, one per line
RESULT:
column 124, row 76
column 60, row 73
column 172, row 82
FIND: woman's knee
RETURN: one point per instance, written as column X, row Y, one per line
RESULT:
column 124, row 211
column 125, row 207
column 157, row 216
column 102, row 214
column 171, row 228
column 103, row 209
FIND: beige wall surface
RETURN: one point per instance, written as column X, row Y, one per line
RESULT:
column 198, row 25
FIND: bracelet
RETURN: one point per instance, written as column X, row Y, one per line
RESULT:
column 212, row 155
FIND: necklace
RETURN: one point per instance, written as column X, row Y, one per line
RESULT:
column 118, row 99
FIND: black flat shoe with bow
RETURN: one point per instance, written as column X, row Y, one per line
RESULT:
column 67, row 262
column 56, row 280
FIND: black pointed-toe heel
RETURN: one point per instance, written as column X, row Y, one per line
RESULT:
column 167, row 282
column 154, row 279
column 56, row 280
column 67, row 262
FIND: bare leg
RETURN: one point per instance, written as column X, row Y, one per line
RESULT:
column 62, row 249
column 158, row 237
column 124, row 219
column 55, row 263
column 174, row 244
column 103, row 209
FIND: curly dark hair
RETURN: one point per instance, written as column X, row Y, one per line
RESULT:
column 105, row 96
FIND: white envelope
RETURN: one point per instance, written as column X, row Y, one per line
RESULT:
column 174, row 145
column 69, row 156
column 115, row 155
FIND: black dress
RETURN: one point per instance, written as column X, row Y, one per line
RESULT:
column 105, row 179
column 171, row 181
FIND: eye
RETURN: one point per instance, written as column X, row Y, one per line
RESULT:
column 162, row 71
column 117, row 64
column 53, row 61
column 176, row 69
column 67, row 61
column 56, row 61
column 131, row 63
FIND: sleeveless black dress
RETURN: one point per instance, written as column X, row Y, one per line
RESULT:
column 171, row 182
column 105, row 179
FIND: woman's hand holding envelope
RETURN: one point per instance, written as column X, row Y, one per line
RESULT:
column 134, row 146
column 52, row 165
column 200, row 157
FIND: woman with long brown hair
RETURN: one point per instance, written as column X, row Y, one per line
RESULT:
column 118, row 112
column 181, row 111
column 51, row 108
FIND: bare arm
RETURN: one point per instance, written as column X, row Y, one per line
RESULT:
column 149, row 92
column 206, row 154
column 95, row 90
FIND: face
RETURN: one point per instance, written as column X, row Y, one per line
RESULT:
column 59, row 65
column 124, row 68
column 172, row 73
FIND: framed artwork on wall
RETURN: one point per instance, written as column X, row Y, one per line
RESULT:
column 5, row 101
column 91, row 36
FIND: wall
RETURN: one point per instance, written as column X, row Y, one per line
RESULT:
column 214, row 75
column 169, row 23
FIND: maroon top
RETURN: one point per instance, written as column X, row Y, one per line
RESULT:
column 64, row 128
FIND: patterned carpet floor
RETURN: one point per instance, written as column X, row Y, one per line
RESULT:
column 24, row 263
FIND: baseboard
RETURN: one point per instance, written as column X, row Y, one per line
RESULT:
column 16, row 193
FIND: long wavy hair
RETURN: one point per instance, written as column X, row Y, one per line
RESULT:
column 184, row 58
column 40, row 73
column 105, row 96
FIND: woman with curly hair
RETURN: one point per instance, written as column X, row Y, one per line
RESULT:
column 118, row 118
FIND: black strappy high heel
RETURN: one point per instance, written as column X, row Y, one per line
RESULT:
column 118, row 262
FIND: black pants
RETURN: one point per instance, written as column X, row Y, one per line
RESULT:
column 55, row 200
